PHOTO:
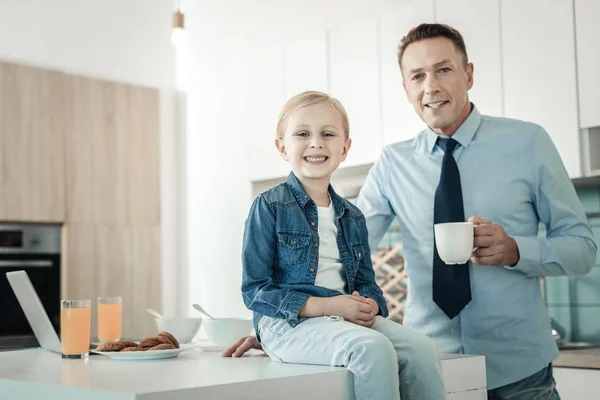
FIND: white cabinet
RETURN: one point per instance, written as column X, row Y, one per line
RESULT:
column 264, row 97
column 587, row 13
column 482, row 40
column 399, row 119
column 538, row 50
column 354, row 80
column 577, row 384
column 305, row 62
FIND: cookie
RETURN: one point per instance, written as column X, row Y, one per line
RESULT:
column 149, row 342
column 112, row 346
column 162, row 346
column 128, row 344
column 166, row 337
column 133, row 348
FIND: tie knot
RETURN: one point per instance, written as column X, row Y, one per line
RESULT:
column 447, row 145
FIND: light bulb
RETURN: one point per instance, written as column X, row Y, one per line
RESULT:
column 178, row 37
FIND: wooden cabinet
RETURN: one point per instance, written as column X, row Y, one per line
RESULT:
column 482, row 40
column 115, row 260
column 538, row 51
column 33, row 119
column 587, row 13
column 112, row 155
column 399, row 119
column 354, row 81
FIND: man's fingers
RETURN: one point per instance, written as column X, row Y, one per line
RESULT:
column 231, row 350
column 484, row 241
column 494, row 260
column 478, row 220
column 489, row 251
column 486, row 230
column 355, row 293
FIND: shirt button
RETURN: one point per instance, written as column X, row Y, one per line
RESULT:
column 293, row 242
column 345, row 253
column 312, row 270
column 313, row 223
column 316, row 244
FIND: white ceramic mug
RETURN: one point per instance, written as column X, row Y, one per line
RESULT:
column 454, row 241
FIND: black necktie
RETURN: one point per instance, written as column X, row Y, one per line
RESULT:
column 451, row 283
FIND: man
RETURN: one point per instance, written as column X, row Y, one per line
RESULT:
column 506, row 177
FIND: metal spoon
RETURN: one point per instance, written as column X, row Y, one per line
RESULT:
column 153, row 312
column 198, row 308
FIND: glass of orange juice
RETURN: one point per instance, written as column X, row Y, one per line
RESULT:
column 109, row 318
column 75, row 328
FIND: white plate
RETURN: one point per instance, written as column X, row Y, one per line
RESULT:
column 145, row 355
column 211, row 347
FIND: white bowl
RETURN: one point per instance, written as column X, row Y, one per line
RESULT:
column 226, row 331
column 184, row 329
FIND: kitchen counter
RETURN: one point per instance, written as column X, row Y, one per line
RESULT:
column 40, row 374
column 588, row 358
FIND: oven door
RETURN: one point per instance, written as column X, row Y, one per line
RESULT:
column 43, row 270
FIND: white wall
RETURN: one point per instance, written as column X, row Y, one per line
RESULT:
column 118, row 40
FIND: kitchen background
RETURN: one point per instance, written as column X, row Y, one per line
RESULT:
column 162, row 149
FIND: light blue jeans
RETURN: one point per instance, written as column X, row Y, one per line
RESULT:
column 388, row 360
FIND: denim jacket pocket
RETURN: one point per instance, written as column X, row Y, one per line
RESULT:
column 293, row 247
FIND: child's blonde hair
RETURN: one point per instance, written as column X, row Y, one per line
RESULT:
column 309, row 98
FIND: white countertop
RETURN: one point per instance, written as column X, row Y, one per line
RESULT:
column 40, row 374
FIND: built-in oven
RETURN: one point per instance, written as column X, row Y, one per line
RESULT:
column 34, row 249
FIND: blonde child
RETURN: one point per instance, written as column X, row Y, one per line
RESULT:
column 307, row 272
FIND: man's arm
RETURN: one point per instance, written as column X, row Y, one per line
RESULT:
column 373, row 202
column 569, row 247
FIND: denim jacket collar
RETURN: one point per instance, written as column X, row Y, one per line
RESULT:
column 339, row 205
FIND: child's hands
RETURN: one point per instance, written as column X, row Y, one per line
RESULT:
column 355, row 309
column 372, row 303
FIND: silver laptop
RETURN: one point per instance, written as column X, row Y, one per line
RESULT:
column 34, row 311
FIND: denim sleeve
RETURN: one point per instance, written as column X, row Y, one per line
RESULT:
column 365, row 278
column 569, row 247
column 259, row 249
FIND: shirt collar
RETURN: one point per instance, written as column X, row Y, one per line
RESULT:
column 463, row 135
column 339, row 204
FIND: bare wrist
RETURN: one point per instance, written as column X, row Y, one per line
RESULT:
column 314, row 307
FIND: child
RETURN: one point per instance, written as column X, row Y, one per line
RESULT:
column 307, row 272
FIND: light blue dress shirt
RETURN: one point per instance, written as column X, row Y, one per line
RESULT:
column 512, row 175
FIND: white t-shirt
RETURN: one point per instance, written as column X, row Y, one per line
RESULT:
column 330, row 272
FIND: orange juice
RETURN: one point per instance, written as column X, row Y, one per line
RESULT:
column 109, row 322
column 75, row 330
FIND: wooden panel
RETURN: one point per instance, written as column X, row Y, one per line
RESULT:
column 146, row 278
column 142, row 156
column 33, row 117
column 113, row 161
column 115, row 260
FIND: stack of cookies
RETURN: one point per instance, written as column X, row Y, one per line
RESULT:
column 162, row 341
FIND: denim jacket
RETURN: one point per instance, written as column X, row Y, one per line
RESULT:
column 280, row 253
